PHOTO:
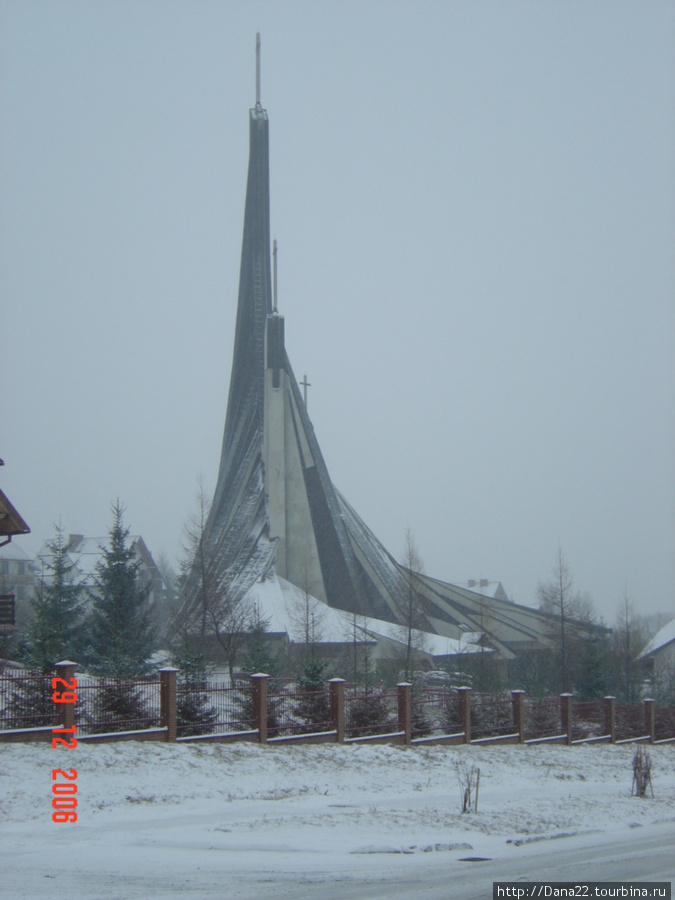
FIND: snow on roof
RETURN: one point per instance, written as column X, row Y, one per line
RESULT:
column 13, row 551
column 663, row 637
column 283, row 605
column 85, row 552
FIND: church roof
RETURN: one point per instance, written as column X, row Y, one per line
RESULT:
column 282, row 605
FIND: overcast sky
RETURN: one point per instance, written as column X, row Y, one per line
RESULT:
column 475, row 210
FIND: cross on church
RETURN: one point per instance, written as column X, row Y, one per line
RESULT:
column 305, row 384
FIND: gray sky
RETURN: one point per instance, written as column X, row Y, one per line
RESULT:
column 474, row 204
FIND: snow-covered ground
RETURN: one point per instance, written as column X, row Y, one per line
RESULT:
column 245, row 821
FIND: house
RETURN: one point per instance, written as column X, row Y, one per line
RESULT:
column 11, row 523
column 17, row 583
column 658, row 658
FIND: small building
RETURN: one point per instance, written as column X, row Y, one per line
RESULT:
column 11, row 524
column 658, row 658
column 17, row 581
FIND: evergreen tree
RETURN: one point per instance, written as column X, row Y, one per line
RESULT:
column 195, row 713
column 52, row 634
column 593, row 674
column 259, row 659
column 313, row 706
column 30, row 700
column 258, row 656
column 121, row 634
column 369, row 714
column 119, row 706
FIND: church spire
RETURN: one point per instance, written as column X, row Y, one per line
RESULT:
column 257, row 70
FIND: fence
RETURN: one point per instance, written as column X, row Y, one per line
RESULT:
column 161, row 708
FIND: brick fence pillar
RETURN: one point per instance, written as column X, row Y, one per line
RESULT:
column 405, row 710
column 167, row 701
column 465, row 712
column 259, row 692
column 649, row 720
column 566, row 716
column 65, row 712
column 610, row 718
column 337, row 708
column 518, row 701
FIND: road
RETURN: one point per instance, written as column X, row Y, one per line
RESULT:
column 647, row 855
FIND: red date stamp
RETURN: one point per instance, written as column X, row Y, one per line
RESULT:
column 64, row 793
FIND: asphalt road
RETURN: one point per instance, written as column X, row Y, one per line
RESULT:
column 644, row 856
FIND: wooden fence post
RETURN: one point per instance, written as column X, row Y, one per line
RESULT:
column 465, row 712
column 337, row 708
column 65, row 712
column 518, row 700
column 259, row 692
column 405, row 710
column 610, row 718
column 649, row 720
column 566, row 716
column 167, row 701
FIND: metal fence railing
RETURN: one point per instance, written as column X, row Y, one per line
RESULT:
column 26, row 699
column 369, row 713
column 213, row 708
column 435, row 712
column 293, row 710
column 664, row 722
column 588, row 719
column 201, row 708
column 107, row 705
column 542, row 718
column 491, row 715
column 630, row 721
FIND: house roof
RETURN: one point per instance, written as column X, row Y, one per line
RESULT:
column 485, row 587
column 11, row 522
column 85, row 552
column 660, row 640
column 13, row 551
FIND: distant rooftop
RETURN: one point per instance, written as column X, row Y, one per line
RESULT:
column 660, row 640
column 485, row 587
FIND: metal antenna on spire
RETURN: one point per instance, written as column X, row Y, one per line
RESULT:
column 274, row 292
column 257, row 69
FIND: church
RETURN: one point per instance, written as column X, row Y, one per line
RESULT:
column 278, row 528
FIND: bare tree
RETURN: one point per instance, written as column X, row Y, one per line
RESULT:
column 211, row 609
column 307, row 616
column 628, row 638
column 559, row 598
column 361, row 662
column 411, row 606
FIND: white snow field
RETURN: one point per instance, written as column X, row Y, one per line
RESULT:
column 215, row 821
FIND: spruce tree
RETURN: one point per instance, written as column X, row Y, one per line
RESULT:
column 52, row 634
column 313, row 705
column 259, row 659
column 121, row 633
column 196, row 715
